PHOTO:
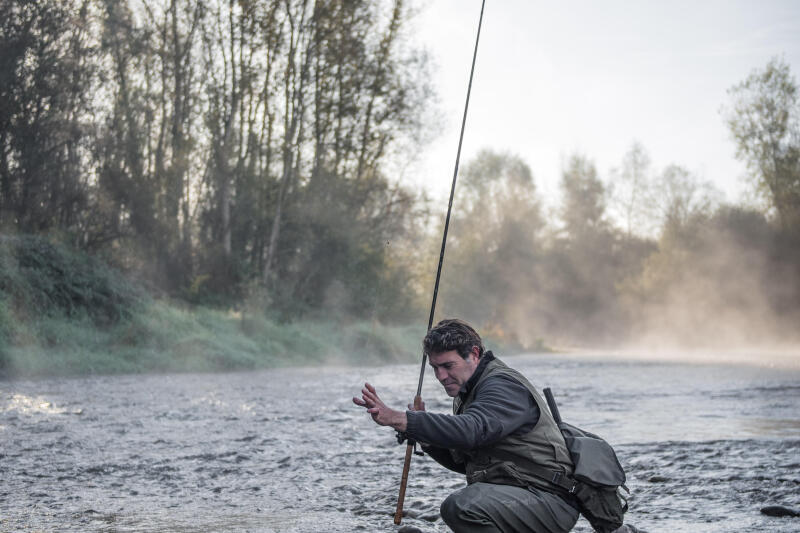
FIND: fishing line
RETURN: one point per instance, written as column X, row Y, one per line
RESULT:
column 418, row 399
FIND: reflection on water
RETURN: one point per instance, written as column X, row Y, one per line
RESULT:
column 770, row 427
column 284, row 450
column 27, row 405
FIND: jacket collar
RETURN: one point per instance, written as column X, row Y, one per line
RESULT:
column 470, row 384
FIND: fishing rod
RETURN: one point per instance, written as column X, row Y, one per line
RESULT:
column 398, row 515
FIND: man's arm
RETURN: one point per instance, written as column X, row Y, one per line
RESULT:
column 440, row 455
column 501, row 407
column 386, row 416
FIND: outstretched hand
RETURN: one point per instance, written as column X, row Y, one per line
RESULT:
column 381, row 414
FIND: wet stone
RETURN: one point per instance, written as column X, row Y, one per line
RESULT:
column 627, row 528
column 409, row 529
column 779, row 510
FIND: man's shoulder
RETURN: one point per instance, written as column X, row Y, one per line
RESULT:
column 500, row 369
column 504, row 380
column 506, row 390
column 504, row 375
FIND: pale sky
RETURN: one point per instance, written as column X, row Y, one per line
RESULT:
column 553, row 78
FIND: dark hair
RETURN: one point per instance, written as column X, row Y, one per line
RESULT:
column 452, row 334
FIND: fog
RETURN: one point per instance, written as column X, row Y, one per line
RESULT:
column 711, row 278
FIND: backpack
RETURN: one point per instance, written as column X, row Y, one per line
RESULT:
column 597, row 478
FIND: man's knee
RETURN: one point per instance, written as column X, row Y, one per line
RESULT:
column 450, row 509
column 460, row 508
column 464, row 510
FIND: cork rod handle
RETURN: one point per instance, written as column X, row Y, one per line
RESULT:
column 398, row 514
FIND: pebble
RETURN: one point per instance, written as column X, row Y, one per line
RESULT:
column 627, row 528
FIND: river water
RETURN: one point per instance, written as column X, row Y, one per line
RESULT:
column 705, row 447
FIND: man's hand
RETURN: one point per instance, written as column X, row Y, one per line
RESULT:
column 381, row 414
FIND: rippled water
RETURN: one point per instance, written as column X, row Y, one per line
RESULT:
column 705, row 447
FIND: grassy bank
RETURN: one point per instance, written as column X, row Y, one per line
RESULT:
column 164, row 338
column 65, row 313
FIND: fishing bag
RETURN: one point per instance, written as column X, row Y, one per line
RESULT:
column 598, row 479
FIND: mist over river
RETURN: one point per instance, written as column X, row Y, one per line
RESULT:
column 705, row 447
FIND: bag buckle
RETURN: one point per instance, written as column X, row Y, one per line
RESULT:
column 476, row 476
column 556, row 480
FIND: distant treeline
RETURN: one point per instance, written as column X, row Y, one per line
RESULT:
column 689, row 272
column 647, row 257
column 246, row 155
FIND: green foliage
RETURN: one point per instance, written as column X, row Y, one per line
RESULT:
column 164, row 338
column 63, row 312
column 6, row 333
column 47, row 74
column 203, row 145
column 346, row 242
column 42, row 278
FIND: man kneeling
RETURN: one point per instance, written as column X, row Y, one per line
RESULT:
column 501, row 435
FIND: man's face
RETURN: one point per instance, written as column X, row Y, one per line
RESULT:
column 452, row 370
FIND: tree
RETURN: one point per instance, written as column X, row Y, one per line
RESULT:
column 305, row 101
column 495, row 247
column 582, row 266
column 146, row 149
column 584, row 209
column 215, row 145
column 631, row 192
column 46, row 72
column 764, row 119
column 681, row 197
